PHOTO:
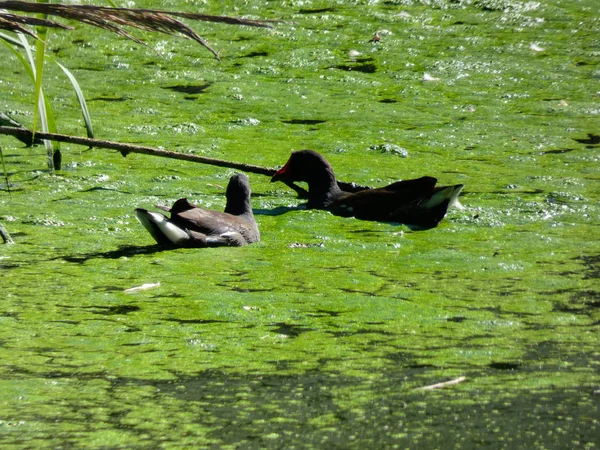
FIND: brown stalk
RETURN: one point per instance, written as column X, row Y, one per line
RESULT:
column 26, row 135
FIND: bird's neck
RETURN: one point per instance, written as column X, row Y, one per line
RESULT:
column 239, row 207
column 323, row 189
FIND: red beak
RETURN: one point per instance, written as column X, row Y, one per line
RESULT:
column 281, row 173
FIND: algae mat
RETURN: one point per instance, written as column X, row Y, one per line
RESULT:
column 320, row 335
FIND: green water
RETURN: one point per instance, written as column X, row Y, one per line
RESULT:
column 321, row 344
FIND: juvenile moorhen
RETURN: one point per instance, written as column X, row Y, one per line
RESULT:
column 417, row 203
column 191, row 226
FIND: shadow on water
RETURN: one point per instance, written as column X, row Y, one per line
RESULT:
column 504, row 366
column 364, row 65
column 195, row 321
column 110, row 99
column 361, row 331
column 115, row 310
column 289, row 329
column 255, row 54
column 316, row 10
column 584, row 302
column 592, row 266
column 277, row 211
column 324, row 313
column 220, row 404
column 245, row 290
column 123, row 251
column 102, row 188
column 552, row 152
column 189, row 88
column 592, row 140
column 303, row 121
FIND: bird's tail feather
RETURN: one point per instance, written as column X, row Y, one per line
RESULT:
column 447, row 194
column 163, row 231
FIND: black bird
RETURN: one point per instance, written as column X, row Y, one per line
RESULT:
column 192, row 226
column 417, row 203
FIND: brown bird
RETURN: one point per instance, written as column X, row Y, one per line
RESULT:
column 192, row 226
column 417, row 203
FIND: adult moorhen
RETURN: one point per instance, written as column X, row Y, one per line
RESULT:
column 417, row 203
column 191, row 226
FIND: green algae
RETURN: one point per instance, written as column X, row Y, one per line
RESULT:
column 318, row 335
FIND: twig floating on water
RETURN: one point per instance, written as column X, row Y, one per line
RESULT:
column 444, row 384
column 143, row 287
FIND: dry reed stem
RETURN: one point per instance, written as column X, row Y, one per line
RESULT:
column 112, row 19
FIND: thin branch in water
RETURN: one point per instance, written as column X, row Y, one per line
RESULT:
column 7, row 121
column 5, row 236
column 443, row 384
column 130, row 148
column 21, row 133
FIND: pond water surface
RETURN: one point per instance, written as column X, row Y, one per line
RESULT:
column 321, row 334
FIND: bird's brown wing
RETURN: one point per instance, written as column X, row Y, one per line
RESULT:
column 216, row 223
